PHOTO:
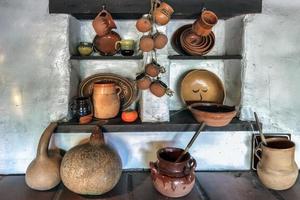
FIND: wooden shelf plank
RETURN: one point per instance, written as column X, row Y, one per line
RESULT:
column 180, row 122
column 221, row 57
column 138, row 185
column 134, row 9
column 117, row 57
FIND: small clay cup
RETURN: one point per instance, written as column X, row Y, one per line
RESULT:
column 204, row 24
column 160, row 40
column 162, row 14
column 159, row 89
column 143, row 81
column 146, row 43
column 143, row 24
column 85, row 48
column 153, row 69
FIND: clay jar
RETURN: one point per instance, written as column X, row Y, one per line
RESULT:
column 106, row 100
column 103, row 23
column 204, row 24
column 159, row 89
column 143, row 81
column 277, row 168
column 143, row 24
column 173, row 179
column 162, row 14
column 160, row 40
column 153, row 69
column 146, row 43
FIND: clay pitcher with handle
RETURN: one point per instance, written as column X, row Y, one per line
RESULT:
column 106, row 100
column 103, row 23
column 43, row 172
column 277, row 168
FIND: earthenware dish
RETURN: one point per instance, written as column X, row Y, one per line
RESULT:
column 105, row 45
column 202, row 86
column 129, row 90
column 211, row 114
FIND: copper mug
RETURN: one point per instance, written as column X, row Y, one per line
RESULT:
column 162, row 14
column 143, row 81
column 103, row 23
column 205, row 22
column 106, row 100
column 153, row 69
column 159, row 89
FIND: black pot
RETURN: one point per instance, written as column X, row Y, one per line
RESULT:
column 80, row 107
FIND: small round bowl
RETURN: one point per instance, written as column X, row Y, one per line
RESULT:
column 212, row 114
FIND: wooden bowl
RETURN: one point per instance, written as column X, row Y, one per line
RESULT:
column 216, row 115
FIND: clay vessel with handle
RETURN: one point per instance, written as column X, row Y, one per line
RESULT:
column 92, row 168
column 106, row 100
column 103, row 23
column 43, row 172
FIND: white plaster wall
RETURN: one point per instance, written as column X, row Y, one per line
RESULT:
column 271, row 75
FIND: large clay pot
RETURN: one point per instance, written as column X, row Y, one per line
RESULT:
column 277, row 168
column 92, row 168
column 43, row 172
column 173, row 179
column 103, row 23
column 106, row 100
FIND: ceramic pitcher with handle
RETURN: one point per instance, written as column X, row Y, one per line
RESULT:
column 103, row 23
column 277, row 168
column 106, row 100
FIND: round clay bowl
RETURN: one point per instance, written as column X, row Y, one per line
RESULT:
column 105, row 45
column 146, row 44
column 202, row 86
column 212, row 43
column 216, row 115
column 193, row 49
column 175, row 40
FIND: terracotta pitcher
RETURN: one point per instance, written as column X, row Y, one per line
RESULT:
column 103, row 23
column 173, row 179
column 277, row 168
column 162, row 14
column 106, row 100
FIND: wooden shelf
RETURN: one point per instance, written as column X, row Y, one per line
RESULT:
column 134, row 9
column 180, row 122
column 223, row 57
column 117, row 57
column 243, row 185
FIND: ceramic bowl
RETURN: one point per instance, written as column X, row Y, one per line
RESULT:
column 202, row 86
column 105, row 45
column 216, row 115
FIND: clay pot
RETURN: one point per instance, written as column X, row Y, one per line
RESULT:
column 143, row 24
column 43, row 172
column 106, row 100
column 146, row 43
column 159, row 89
column 162, row 14
column 105, row 45
column 153, row 69
column 204, row 24
column 160, row 40
column 173, row 179
column 143, row 81
column 92, row 168
column 277, row 168
column 103, row 23
column 211, row 114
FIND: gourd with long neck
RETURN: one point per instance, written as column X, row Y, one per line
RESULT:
column 43, row 172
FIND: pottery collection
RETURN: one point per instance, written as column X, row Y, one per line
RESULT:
column 106, row 100
column 277, row 168
column 170, row 178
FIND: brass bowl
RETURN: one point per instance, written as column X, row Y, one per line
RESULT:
column 211, row 114
column 202, row 86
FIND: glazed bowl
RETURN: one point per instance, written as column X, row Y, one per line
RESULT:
column 216, row 115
